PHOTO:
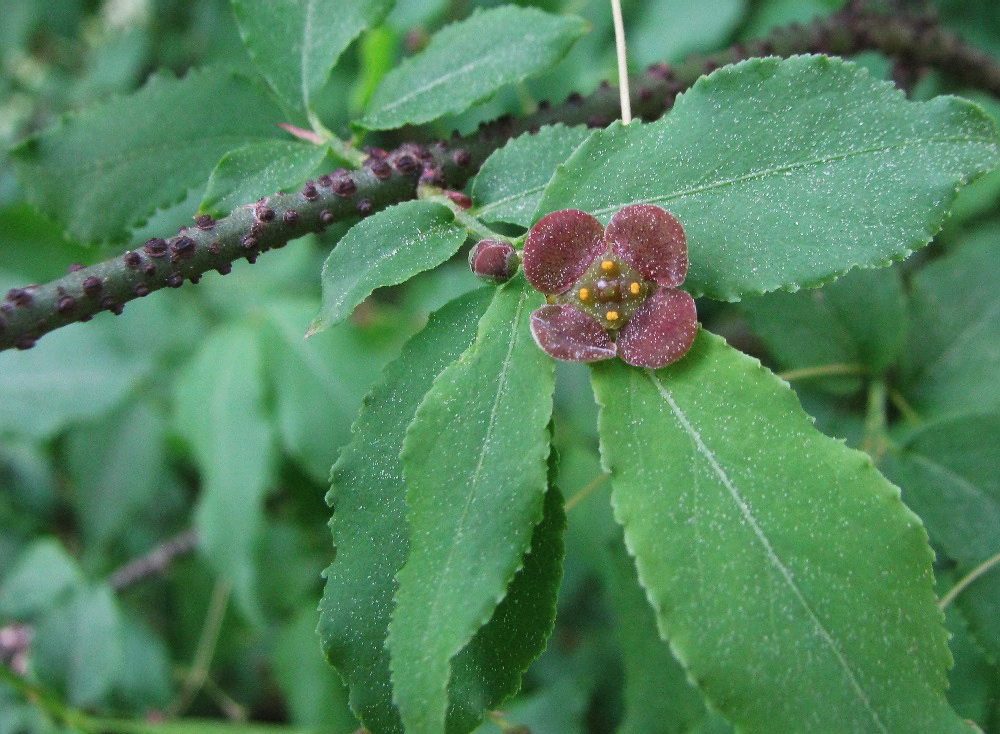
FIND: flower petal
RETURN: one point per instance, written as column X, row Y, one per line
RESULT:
column 652, row 241
column 566, row 333
column 559, row 249
column 662, row 330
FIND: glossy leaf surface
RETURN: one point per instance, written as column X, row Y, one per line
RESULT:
column 468, row 61
column 785, row 571
column 786, row 173
column 106, row 169
column 386, row 249
column 475, row 466
column 295, row 43
column 510, row 183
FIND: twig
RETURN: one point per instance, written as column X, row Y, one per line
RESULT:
column 202, row 663
column 155, row 562
column 389, row 178
column 580, row 496
column 974, row 574
column 903, row 406
column 48, row 703
column 874, row 443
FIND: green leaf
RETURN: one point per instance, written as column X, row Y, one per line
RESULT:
column 369, row 519
column 973, row 679
column 318, row 383
column 658, row 697
column 259, row 169
column 296, row 43
column 954, row 349
column 315, row 695
column 386, row 249
column 78, row 646
column 144, row 678
column 488, row 670
column 949, row 471
column 220, row 412
column 474, row 462
column 41, row 575
column 671, row 30
column 857, row 321
column 468, row 61
column 510, row 183
column 75, row 374
column 786, row 173
column 115, row 468
column 104, row 170
column 786, row 573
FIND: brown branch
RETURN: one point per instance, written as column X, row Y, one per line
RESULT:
column 389, row 178
column 155, row 562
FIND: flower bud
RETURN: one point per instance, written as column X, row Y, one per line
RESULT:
column 493, row 260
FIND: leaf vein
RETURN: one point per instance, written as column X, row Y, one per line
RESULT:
column 487, row 208
column 757, row 175
column 765, row 543
column 477, row 472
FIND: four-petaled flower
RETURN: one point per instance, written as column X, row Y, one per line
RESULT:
column 611, row 292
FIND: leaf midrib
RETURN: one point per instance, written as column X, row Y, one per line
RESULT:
column 438, row 81
column 372, row 267
column 765, row 543
column 487, row 208
column 765, row 173
column 476, row 475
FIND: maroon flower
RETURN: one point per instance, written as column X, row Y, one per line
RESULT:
column 611, row 292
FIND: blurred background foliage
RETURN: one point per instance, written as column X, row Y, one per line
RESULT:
column 105, row 444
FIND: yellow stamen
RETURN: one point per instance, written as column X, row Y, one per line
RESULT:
column 608, row 266
column 584, row 294
column 634, row 289
column 612, row 315
column 550, row 299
